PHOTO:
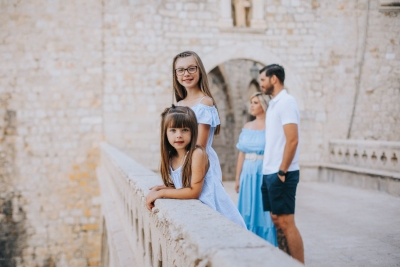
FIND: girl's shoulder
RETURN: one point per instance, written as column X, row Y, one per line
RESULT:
column 203, row 101
column 199, row 154
column 207, row 101
column 199, row 158
column 206, row 114
column 199, row 151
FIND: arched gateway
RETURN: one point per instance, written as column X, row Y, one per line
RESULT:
column 261, row 55
column 229, row 72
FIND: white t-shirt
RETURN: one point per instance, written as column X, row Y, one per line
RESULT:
column 282, row 110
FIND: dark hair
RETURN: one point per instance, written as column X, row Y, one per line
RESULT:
column 177, row 117
column 274, row 69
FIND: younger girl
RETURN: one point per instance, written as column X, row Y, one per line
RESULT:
column 191, row 89
column 185, row 168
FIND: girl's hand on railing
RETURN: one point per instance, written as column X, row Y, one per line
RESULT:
column 157, row 187
column 150, row 198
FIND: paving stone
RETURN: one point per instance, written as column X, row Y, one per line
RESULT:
column 346, row 227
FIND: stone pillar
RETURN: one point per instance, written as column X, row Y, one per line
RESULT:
column 225, row 20
column 258, row 20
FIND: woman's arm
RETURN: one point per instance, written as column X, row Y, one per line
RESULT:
column 239, row 166
column 199, row 163
column 240, row 160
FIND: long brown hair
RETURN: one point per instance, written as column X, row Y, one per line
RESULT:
column 177, row 117
column 180, row 91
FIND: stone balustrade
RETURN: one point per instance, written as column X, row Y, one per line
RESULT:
column 176, row 232
column 373, row 156
column 360, row 163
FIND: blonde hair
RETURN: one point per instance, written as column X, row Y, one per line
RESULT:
column 180, row 91
column 261, row 98
column 177, row 117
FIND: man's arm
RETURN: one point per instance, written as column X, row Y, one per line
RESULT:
column 292, row 139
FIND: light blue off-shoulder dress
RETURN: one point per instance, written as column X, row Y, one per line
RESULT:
column 209, row 115
column 213, row 195
column 250, row 203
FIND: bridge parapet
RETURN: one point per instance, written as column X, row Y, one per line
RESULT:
column 368, row 154
column 176, row 232
column 367, row 164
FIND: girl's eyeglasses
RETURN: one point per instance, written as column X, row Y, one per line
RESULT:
column 190, row 70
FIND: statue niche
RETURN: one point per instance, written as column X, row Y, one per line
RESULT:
column 241, row 13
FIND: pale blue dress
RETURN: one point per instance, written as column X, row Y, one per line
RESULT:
column 213, row 195
column 250, row 203
column 209, row 115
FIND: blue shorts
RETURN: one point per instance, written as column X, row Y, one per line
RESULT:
column 280, row 197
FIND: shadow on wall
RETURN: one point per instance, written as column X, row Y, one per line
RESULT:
column 12, row 217
column 12, row 231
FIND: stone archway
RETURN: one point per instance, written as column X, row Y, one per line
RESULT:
column 261, row 55
column 231, row 86
column 224, row 66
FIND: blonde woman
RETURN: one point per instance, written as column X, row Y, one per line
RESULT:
column 249, row 174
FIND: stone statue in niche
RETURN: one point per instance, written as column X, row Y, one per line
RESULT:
column 241, row 12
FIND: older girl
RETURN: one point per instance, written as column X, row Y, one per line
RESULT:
column 191, row 89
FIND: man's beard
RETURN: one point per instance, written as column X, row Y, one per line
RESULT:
column 269, row 90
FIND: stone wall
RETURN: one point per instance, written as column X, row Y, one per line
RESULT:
column 51, row 71
column 377, row 112
column 320, row 43
column 72, row 74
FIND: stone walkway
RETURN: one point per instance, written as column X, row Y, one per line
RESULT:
column 343, row 226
